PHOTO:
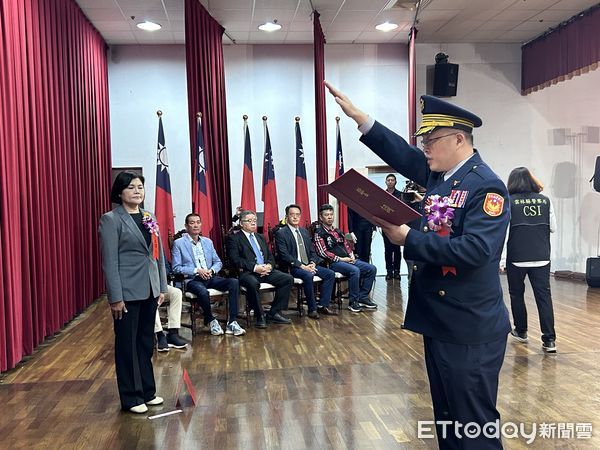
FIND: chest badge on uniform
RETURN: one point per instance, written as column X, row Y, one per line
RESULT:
column 457, row 198
column 493, row 204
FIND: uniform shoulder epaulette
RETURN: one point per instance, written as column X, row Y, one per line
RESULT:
column 483, row 171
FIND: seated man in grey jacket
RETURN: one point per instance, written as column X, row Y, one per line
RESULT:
column 195, row 256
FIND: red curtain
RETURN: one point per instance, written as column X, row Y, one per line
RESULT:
column 570, row 50
column 206, row 94
column 320, row 113
column 54, row 169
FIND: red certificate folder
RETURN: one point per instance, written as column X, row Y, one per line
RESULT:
column 369, row 200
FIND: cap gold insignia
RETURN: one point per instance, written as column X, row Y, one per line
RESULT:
column 422, row 105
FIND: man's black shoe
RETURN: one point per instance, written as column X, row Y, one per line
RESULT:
column 278, row 318
column 397, row 275
column 521, row 337
column 326, row 311
column 175, row 341
column 261, row 322
column 549, row 346
column 367, row 303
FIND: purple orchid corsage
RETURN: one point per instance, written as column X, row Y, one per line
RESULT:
column 439, row 214
column 150, row 224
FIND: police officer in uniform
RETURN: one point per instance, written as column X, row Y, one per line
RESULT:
column 455, row 297
column 528, row 254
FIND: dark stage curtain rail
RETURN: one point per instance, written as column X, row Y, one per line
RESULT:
column 54, row 169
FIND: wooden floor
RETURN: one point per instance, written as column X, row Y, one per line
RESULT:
column 355, row 381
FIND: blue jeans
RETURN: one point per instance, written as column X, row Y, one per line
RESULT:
column 328, row 277
column 200, row 287
column 357, row 272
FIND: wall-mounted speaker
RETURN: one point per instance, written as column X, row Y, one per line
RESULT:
column 445, row 80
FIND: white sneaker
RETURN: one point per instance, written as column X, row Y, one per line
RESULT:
column 235, row 329
column 139, row 409
column 155, row 401
column 215, row 328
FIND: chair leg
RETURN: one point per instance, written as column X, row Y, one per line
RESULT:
column 299, row 301
column 192, row 318
column 247, row 311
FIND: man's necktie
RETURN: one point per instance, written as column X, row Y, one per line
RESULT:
column 257, row 252
column 303, row 255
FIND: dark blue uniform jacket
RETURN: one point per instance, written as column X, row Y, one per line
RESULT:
column 466, row 308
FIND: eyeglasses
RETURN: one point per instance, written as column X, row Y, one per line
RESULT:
column 426, row 142
column 249, row 221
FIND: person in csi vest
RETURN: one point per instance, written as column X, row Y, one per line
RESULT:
column 455, row 296
column 528, row 254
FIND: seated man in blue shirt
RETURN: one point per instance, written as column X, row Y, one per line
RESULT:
column 295, row 251
column 195, row 256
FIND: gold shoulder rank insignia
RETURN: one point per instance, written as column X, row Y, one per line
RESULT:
column 493, row 204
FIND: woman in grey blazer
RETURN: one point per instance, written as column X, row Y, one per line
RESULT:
column 136, row 281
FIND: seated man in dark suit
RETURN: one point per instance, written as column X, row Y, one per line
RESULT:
column 295, row 251
column 248, row 252
column 195, row 256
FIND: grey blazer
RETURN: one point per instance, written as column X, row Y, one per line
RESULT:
column 129, row 268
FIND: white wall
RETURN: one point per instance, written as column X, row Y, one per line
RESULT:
column 574, row 105
column 143, row 79
column 272, row 80
column 516, row 129
column 277, row 81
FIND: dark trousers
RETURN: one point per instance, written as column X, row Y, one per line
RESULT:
column 539, row 277
column 200, row 287
column 328, row 277
column 393, row 255
column 364, row 236
column 283, row 283
column 361, row 276
column 134, row 344
column 463, row 380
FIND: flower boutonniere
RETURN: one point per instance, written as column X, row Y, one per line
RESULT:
column 152, row 226
column 439, row 216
